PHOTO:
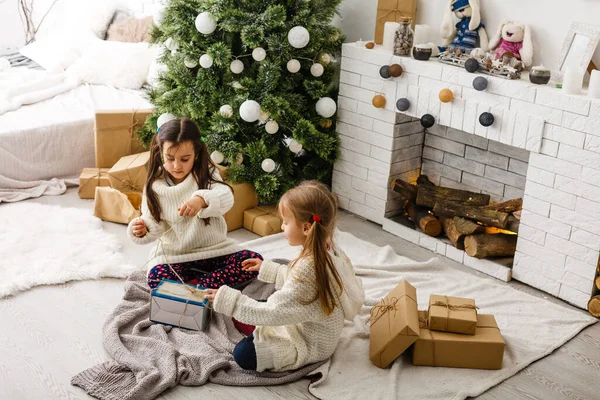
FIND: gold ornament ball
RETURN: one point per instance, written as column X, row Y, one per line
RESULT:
column 379, row 101
column 370, row 45
column 326, row 123
column 446, row 95
column 396, row 70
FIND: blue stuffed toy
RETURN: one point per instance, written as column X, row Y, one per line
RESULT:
column 465, row 34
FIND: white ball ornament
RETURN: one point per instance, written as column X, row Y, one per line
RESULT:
column 164, row 118
column 250, row 111
column 206, row 23
column 190, row 63
column 226, row 111
column 171, row 44
column 236, row 66
column 272, row 127
column 206, row 61
column 298, row 37
column 326, row 58
column 294, row 146
column 268, row 165
column 317, row 70
column 217, row 157
column 293, row 65
column 326, row 107
column 259, row 54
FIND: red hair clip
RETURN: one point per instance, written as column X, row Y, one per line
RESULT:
column 316, row 218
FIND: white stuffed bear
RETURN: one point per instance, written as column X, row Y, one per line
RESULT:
column 464, row 34
column 513, row 37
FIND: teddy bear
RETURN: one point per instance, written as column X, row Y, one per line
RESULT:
column 514, row 38
column 465, row 34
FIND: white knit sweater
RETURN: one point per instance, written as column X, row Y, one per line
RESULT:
column 290, row 334
column 187, row 238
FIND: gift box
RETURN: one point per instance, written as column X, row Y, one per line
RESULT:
column 244, row 198
column 114, row 206
column 89, row 179
column 115, row 135
column 483, row 350
column 452, row 314
column 181, row 305
column 391, row 11
column 130, row 172
column 263, row 220
column 394, row 325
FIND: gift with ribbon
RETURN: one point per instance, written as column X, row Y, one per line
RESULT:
column 452, row 314
column 263, row 220
column 179, row 304
column 130, row 172
column 114, row 206
column 394, row 325
column 89, row 179
column 483, row 350
column 115, row 135
column 392, row 11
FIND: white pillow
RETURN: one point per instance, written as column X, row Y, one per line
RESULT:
column 56, row 53
column 119, row 64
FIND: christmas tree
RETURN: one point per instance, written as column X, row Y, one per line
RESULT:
column 259, row 77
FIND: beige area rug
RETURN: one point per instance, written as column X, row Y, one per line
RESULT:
column 532, row 327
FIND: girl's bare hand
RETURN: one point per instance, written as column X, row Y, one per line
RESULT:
column 138, row 228
column 210, row 294
column 251, row 264
column 192, row 206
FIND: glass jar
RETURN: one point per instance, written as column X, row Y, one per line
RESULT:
column 539, row 75
column 404, row 37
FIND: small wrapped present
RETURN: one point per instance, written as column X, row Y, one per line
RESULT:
column 130, row 172
column 484, row 350
column 452, row 314
column 115, row 135
column 263, row 220
column 114, row 206
column 244, row 198
column 391, row 11
column 89, row 179
column 181, row 305
column 394, row 325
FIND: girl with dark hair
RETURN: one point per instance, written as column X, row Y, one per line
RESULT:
column 183, row 205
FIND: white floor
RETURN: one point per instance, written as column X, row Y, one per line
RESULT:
column 61, row 326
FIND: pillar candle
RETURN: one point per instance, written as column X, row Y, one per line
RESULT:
column 389, row 30
column 421, row 34
column 572, row 81
column 594, row 88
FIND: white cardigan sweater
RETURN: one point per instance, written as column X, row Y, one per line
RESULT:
column 290, row 334
column 187, row 238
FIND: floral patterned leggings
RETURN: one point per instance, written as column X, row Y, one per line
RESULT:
column 211, row 273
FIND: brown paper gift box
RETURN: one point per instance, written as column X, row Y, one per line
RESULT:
column 391, row 11
column 244, row 198
column 484, row 350
column 263, row 220
column 115, row 135
column 89, row 179
column 130, row 172
column 452, row 314
column 394, row 325
column 114, row 206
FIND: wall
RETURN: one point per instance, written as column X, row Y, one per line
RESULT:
column 549, row 26
column 11, row 28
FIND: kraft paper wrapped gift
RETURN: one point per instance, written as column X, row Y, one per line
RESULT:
column 452, row 314
column 391, row 11
column 484, row 350
column 114, row 206
column 244, row 198
column 130, row 172
column 263, row 220
column 394, row 325
column 115, row 135
column 181, row 305
column 89, row 179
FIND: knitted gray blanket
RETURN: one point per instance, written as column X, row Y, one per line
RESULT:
column 151, row 358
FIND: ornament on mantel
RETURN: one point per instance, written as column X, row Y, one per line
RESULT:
column 326, row 107
column 317, row 70
column 370, row 45
column 486, row 119
column 206, row 23
column 396, row 70
column 379, row 101
column 206, row 61
column 259, row 54
column 190, row 63
column 163, row 119
column 384, row 72
column 236, row 66
column 298, row 37
column 226, row 111
column 268, row 165
column 293, row 65
column 403, row 104
column 250, row 111
column 446, row 95
column 427, row 121
column 272, row 127
column 217, row 157
column 472, row 65
column 480, row 83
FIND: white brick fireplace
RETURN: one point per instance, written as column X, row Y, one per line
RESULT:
column 544, row 145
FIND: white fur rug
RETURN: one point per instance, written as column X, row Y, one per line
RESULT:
column 43, row 244
column 532, row 327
